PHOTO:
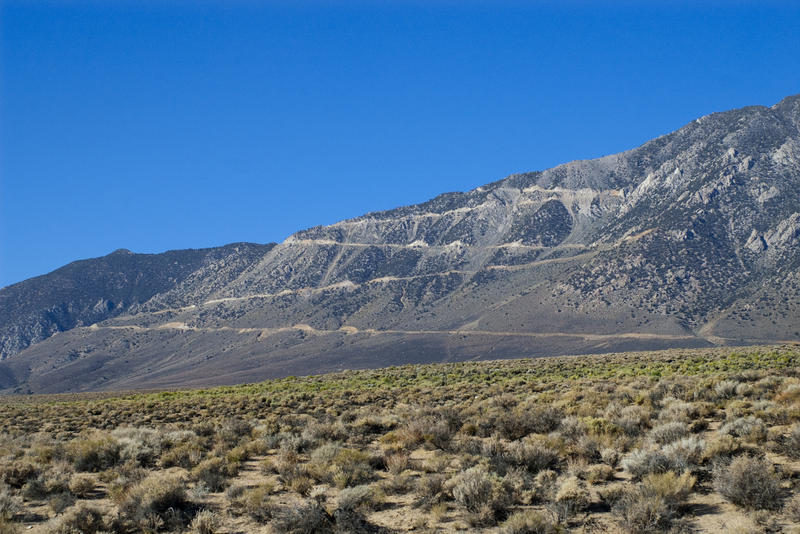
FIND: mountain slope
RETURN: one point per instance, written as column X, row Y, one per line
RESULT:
column 89, row 291
column 689, row 240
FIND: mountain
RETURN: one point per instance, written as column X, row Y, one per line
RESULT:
column 689, row 240
column 90, row 291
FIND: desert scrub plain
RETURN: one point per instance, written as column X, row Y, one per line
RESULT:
column 669, row 441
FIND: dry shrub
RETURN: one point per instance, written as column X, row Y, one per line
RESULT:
column 673, row 489
column 82, row 484
column 519, row 485
column 95, row 452
column 9, row 503
column 256, row 503
column 570, row 498
column 397, row 463
column 58, row 502
column 611, row 494
column 159, row 499
column 397, row 484
column 361, row 497
column 214, row 473
column 55, row 479
column 80, row 519
column 668, row 432
column 642, row 462
column 792, row 509
column 654, row 504
column 726, row 389
column 307, row 518
column 748, row 482
column 530, row 522
column 721, row 447
column 350, row 467
column 684, row 453
column 186, row 454
column 749, row 428
column 610, row 456
column 205, row 522
column 642, row 513
column 533, row 455
column 429, row 491
column 678, row 410
column 481, row 493
column 139, row 445
column 232, row 431
column 16, row 473
column 7, row 527
column 632, row 419
column 792, row 443
column 528, row 419
column 433, row 430
column 436, row 463
column 301, row 484
column 599, row 473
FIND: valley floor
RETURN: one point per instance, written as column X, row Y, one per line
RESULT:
column 694, row 440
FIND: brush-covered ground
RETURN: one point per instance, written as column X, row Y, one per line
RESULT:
column 669, row 441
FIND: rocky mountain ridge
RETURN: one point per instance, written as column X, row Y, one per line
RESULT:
column 688, row 240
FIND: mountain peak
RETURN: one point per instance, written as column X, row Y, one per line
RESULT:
column 121, row 252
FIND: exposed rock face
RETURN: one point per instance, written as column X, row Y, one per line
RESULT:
column 689, row 240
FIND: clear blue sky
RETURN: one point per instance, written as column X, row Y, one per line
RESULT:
column 175, row 124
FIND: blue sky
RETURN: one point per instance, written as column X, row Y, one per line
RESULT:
column 161, row 125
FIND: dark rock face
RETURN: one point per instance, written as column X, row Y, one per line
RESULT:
column 689, row 240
